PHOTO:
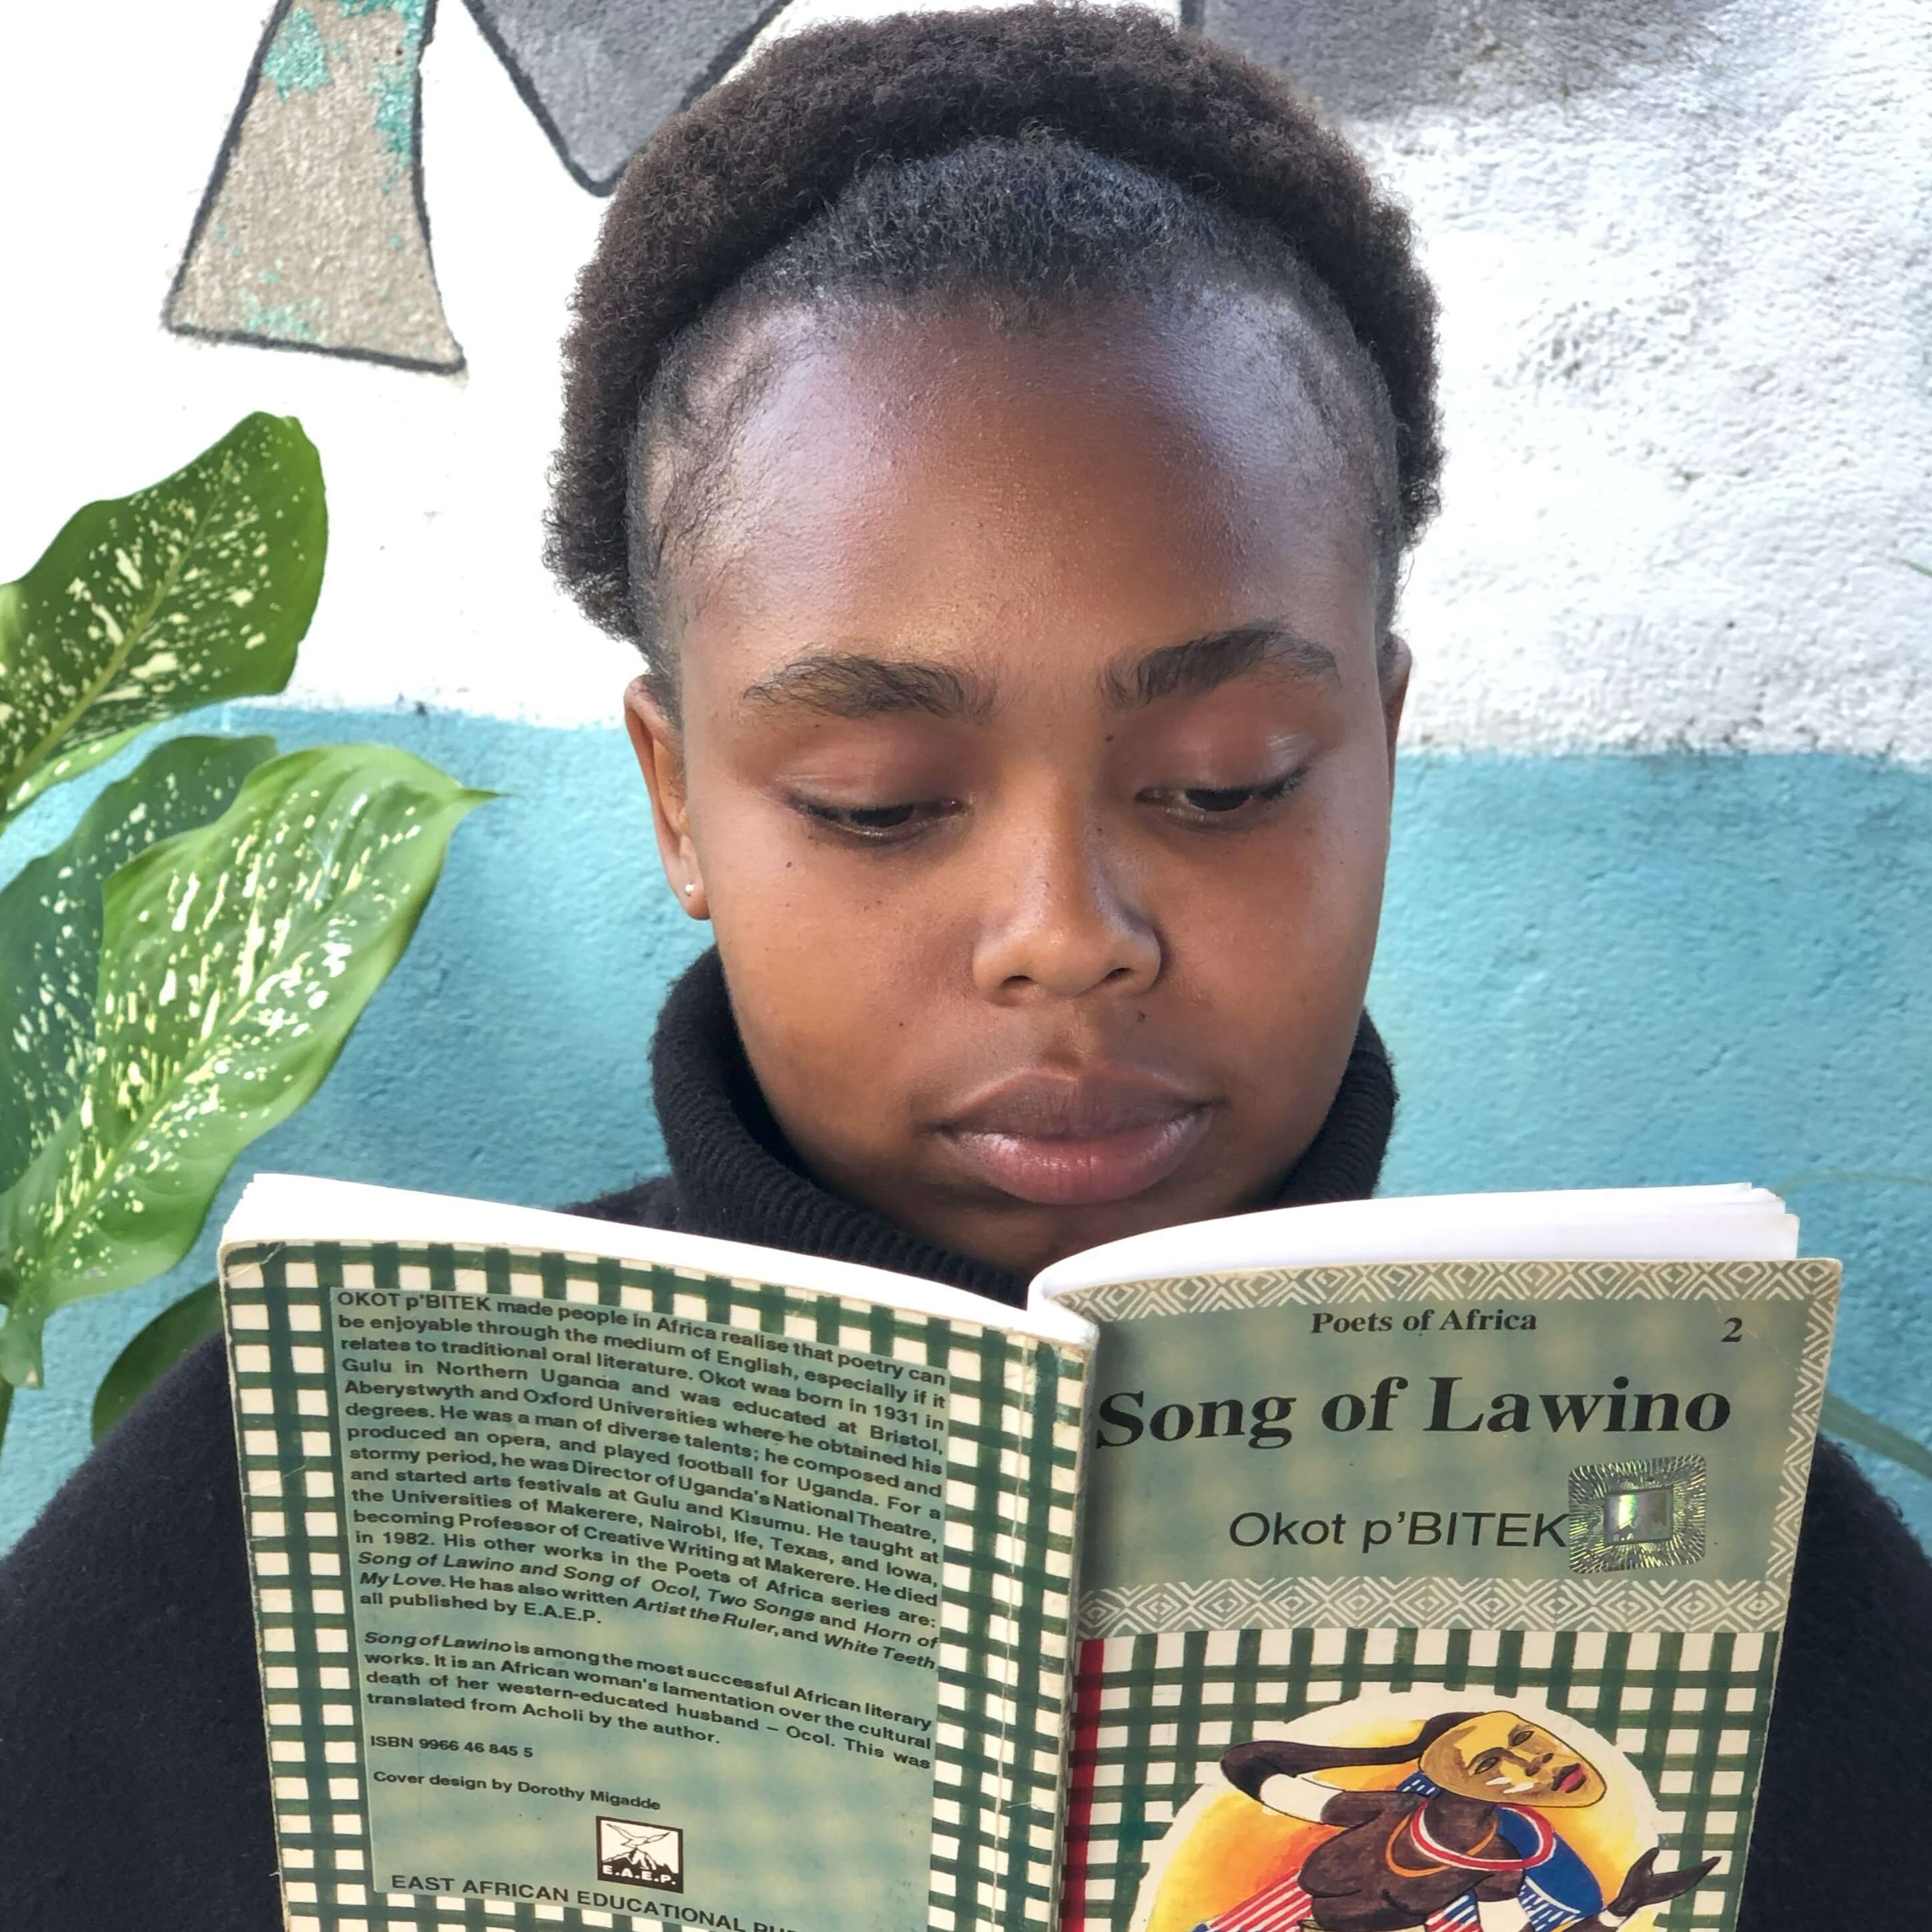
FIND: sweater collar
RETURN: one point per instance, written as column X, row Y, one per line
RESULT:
column 734, row 1175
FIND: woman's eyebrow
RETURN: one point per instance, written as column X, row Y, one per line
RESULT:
column 1203, row 663
column 850, row 684
column 855, row 684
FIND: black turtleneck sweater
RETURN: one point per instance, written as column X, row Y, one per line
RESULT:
column 133, row 1769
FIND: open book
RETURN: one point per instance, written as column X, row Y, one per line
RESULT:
column 1420, row 1556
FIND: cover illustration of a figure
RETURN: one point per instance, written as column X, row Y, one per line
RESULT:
column 1472, row 1820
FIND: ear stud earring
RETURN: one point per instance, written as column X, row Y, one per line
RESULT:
column 689, row 889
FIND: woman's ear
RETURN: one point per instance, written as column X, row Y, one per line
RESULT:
column 661, row 758
column 1395, row 670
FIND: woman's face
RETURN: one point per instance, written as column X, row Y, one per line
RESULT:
column 1033, row 771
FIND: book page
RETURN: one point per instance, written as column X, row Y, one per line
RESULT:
column 1732, row 1221
column 635, row 1597
column 1520, row 1532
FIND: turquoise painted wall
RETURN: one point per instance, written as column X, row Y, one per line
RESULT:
column 1594, row 970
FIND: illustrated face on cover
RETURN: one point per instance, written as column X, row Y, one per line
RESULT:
column 1399, row 1812
column 1503, row 1758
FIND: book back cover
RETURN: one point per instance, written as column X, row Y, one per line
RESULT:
column 597, row 1594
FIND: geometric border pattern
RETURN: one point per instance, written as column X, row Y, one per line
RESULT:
column 1812, row 1281
column 1460, row 1281
column 1155, row 1712
column 1005, row 1651
column 1626, row 1602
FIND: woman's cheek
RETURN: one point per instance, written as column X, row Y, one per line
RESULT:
column 825, row 929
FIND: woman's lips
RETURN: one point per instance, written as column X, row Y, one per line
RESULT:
column 1568, row 1779
column 1076, row 1142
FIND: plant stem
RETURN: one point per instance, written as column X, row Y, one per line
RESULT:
column 1840, row 1418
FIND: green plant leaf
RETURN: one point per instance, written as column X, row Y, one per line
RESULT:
column 234, row 960
column 1839, row 1417
column 50, row 928
column 58, row 770
column 155, row 1351
column 197, row 589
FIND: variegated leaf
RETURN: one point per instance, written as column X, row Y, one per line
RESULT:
column 66, row 765
column 235, row 959
column 197, row 589
column 50, row 928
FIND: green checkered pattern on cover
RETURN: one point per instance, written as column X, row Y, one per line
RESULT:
column 1003, row 1654
column 1157, row 1712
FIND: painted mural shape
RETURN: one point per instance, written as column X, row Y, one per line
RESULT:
column 312, row 234
column 600, row 76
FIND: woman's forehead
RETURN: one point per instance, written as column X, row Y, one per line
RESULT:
column 957, row 393
column 960, row 481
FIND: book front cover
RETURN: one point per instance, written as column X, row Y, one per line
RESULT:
column 612, row 1596
column 1443, row 1596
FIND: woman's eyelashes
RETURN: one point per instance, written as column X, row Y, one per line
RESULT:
column 878, row 824
column 1206, row 807
column 1222, row 807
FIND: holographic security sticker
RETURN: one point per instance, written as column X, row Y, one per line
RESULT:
column 1647, row 1515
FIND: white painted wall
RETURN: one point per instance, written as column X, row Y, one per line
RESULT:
column 1688, row 378
column 1688, row 351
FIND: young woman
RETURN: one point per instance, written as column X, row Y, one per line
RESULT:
column 1002, row 433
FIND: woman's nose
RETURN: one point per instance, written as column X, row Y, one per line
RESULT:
column 1065, row 921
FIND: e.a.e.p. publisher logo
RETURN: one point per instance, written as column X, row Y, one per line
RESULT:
column 632, row 1852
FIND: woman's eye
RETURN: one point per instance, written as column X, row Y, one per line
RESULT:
column 1203, row 804
column 1228, row 799
column 880, row 822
